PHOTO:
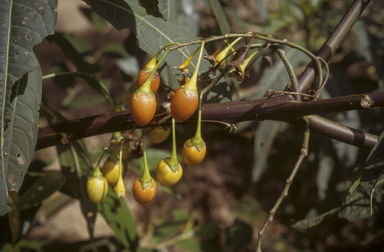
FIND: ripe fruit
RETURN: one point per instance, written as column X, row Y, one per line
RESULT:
column 183, row 105
column 191, row 154
column 97, row 188
column 159, row 134
column 143, row 76
column 143, row 195
column 111, row 171
column 143, row 107
column 166, row 176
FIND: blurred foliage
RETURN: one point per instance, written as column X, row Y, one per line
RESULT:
column 335, row 184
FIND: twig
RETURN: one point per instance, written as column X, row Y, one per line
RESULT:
column 284, row 193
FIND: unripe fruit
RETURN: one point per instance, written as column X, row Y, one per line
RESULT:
column 159, row 134
column 143, row 195
column 143, row 76
column 97, row 188
column 119, row 188
column 183, row 105
column 111, row 171
column 143, row 108
column 166, row 176
column 191, row 155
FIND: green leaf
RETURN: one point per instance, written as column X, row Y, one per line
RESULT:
column 98, row 22
column 84, row 70
column 165, row 9
column 238, row 235
column 119, row 218
column 361, row 194
column 220, row 16
column 128, row 14
column 276, row 77
column 208, row 230
column 195, row 245
column 76, row 167
column 24, row 24
column 265, row 135
column 81, row 45
column 49, row 183
column 164, row 231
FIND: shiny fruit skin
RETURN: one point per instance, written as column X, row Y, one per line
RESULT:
column 143, row 76
column 159, row 134
column 191, row 155
column 166, row 176
column 97, row 188
column 183, row 105
column 143, row 108
column 110, row 171
column 143, row 195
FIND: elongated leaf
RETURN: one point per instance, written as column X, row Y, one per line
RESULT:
column 86, row 73
column 361, row 194
column 164, row 231
column 23, row 24
column 220, row 16
column 265, row 135
column 41, row 189
column 119, row 218
column 276, row 77
column 195, row 245
column 76, row 167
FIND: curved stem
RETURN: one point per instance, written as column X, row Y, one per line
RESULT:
column 284, row 193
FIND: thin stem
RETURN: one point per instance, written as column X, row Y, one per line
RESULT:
column 173, row 162
column 284, row 193
column 290, row 70
column 147, row 84
column 121, row 162
column 191, row 84
column 146, row 179
column 97, row 172
column 261, row 37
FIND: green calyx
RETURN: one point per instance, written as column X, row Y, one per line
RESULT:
column 173, row 165
column 190, row 88
column 172, row 161
column 146, row 179
column 198, row 143
column 116, row 138
column 151, row 65
column 97, row 173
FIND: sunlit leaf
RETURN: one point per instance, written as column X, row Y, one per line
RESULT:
column 119, row 218
column 76, row 167
column 45, row 186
